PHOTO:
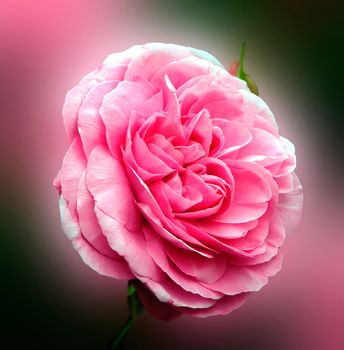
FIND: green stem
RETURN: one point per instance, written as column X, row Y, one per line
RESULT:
column 135, row 310
column 118, row 341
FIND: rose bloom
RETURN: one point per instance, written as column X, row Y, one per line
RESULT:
column 176, row 177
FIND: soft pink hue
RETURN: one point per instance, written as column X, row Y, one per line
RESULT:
column 176, row 176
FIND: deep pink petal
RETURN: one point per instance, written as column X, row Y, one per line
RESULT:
column 200, row 130
column 180, row 237
column 241, row 213
column 202, row 269
column 252, row 184
column 147, row 160
column 240, row 279
column 254, row 238
column 156, row 251
column 220, row 245
column 225, row 230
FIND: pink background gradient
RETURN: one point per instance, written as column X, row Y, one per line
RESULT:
column 45, row 48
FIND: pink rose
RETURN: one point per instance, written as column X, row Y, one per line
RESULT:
column 176, row 176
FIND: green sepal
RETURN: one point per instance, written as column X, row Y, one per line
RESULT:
column 241, row 74
column 134, row 303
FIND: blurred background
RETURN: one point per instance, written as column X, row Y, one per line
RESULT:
column 49, row 298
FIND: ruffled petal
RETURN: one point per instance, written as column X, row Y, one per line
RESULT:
column 155, row 250
column 108, row 183
column 73, row 166
column 130, row 245
column 73, row 100
column 104, row 265
column 90, row 125
column 290, row 204
column 241, row 279
column 224, row 306
column 116, row 109
column 88, row 221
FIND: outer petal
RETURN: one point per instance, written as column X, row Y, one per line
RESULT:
column 88, row 221
column 73, row 101
column 206, row 56
column 223, row 307
column 290, row 204
column 168, row 291
column 116, row 268
column 153, row 305
column 265, row 149
column 109, row 185
column 90, row 125
column 130, row 245
column 73, row 166
column 253, row 104
column 153, row 57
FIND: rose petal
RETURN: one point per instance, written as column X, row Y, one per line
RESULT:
column 181, row 71
column 202, row 269
column 264, row 148
column 73, row 166
column 240, row 279
column 290, row 205
column 225, row 230
column 90, row 125
column 155, row 250
column 130, row 245
column 224, row 306
column 116, row 268
column 170, row 292
column 73, row 100
column 108, row 183
column 151, row 58
column 88, row 221
column 236, row 135
column 116, row 109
